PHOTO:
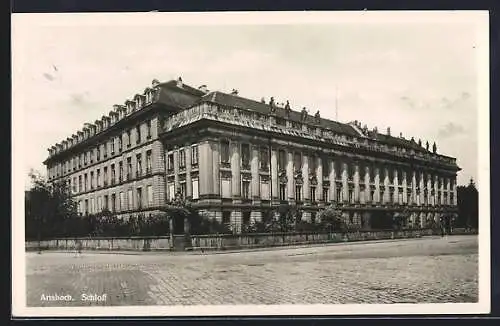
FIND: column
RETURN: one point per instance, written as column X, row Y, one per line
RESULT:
column 274, row 174
column 386, row 186
column 429, row 193
column 189, row 183
column 205, row 169
column 441, row 198
column 367, row 185
column 215, row 172
column 454, row 190
column 333, row 183
column 421, row 186
column 395, row 182
column 413, row 188
column 176, row 169
column 448, row 188
column 435, row 199
column 319, row 176
column 377, row 184
column 290, row 178
column 356, row 182
column 235, row 171
column 345, row 186
column 405, row 191
column 254, row 169
column 305, row 176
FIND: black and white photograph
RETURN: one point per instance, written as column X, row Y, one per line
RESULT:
column 250, row 163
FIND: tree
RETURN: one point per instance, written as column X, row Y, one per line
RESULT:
column 468, row 205
column 331, row 219
column 49, row 208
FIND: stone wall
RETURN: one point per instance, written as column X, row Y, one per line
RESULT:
column 228, row 241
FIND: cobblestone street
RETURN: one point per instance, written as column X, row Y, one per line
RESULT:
column 428, row 270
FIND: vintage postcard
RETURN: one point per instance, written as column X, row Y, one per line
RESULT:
column 250, row 163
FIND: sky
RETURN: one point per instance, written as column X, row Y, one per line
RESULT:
column 418, row 77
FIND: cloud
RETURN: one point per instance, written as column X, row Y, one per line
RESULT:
column 451, row 129
column 79, row 99
column 49, row 77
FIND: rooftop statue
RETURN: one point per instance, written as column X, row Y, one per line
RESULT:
column 287, row 109
column 427, row 145
column 303, row 114
column 434, row 148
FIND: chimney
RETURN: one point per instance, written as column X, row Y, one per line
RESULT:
column 155, row 82
column 234, row 92
column 388, row 131
column 401, row 135
column 203, row 88
column 179, row 82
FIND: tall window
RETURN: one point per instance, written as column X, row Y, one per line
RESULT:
column 245, row 156
column 120, row 171
column 113, row 174
column 326, row 166
column 282, row 192
column 139, row 198
column 182, row 158
column 148, row 129
column 338, row 194
column 105, row 150
column 313, row 194
column 351, row 196
column 150, row 195
column 105, row 176
column 129, row 168
column 113, row 203
column 281, row 160
column 298, row 192
column 98, row 177
column 194, row 155
column 74, row 184
column 86, row 180
column 106, row 201
column 85, row 158
column 121, row 204
column 112, row 145
column 138, row 171
column 130, row 199
column 297, row 161
column 326, row 197
column 224, row 152
column 170, row 162
column 148, row 162
column 80, row 183
column 245, row 189
column 264, row 158
column 129, row 134
column 312, row 164
column 120, row 144
column 138, row 134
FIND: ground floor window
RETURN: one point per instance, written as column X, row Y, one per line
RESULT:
column 313, row 194
column 298, row 193
column 282, row 192
column 326, row 197
column 226, row 217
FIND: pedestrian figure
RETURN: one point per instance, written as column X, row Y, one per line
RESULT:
column 78, row 246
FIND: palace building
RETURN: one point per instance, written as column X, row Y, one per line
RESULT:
column 237, row 159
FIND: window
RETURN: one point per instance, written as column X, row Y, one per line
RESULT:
column 313, row 194
column 246, row 217
column 98, row 177
column 282, row 192
column 129, row 168
column 120, row 171
column 148, row 162
column 245, row 156
column 194, row 155
column 105, row 150
column 281, row 160
column 112, row 145
column 138, row 171
column 452, row 197
column 149, row 129
column 80, row 183
column 195, row 189
column 122, row 201
column 183, row 189
column 139, row 198
column 92, row 180
column 339, row 198
column 224, row 150
column 120, row 144
column 312, row 164
column 326, row 197
column 182, row 158
column 130, row 199
column 86, row 207
column 170, row 162
column 105, row 176
column 297, row 161
column 150, row 195
column 85, row 158
column 74, row 184
column 113, row 174
column 106, row 199
column 113, row 203
column 298, row 193
column 351, row 196
column 86, row 180
column 138, row 134
column 91, row 157
column 264, row 158
column 79, row 161
column 245, row 189
column 129, row 134
column 226, row 217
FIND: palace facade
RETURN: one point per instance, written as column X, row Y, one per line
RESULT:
column 237, row 159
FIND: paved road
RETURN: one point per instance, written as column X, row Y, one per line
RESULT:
column 430, row 270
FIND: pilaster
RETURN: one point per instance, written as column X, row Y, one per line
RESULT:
column 274, row 174
column 254, row 167
column 290, row 177
column 235, row 172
